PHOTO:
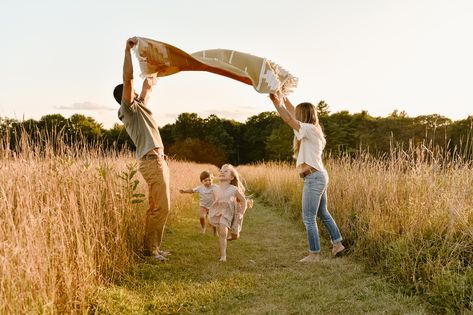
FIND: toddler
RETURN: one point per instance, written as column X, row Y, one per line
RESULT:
column 206, row 197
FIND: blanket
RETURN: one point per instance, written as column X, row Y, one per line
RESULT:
column 158, row 59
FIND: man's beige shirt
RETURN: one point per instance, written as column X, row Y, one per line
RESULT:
column 140, row 126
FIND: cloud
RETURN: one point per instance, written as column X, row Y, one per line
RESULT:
column 85, row 106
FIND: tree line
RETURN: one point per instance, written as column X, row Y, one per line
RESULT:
column 262, row 137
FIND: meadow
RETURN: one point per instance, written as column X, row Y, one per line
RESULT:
column 71, row 223
column 408, row 216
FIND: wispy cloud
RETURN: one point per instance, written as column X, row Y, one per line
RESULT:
column 85, row 106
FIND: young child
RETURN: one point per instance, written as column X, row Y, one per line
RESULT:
column 226, row 212
column 206, row 197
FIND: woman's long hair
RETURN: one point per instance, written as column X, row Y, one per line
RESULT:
column 305, row 113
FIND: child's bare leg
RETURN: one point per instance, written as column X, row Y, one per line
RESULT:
column 202, row 225
column 233, row 236
column 222, row 233
column 203, row 213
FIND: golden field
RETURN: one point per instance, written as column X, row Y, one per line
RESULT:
column 69, row 225
column 408, row 219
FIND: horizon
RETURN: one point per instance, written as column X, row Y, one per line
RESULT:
column 243, row 121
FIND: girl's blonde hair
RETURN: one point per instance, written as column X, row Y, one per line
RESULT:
column 237, row 180
column 305, row 113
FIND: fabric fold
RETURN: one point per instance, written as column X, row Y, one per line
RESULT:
column 158, row 59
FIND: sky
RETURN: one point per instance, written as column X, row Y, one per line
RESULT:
column 376, row 55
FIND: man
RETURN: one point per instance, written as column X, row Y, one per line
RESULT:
column 143, row 131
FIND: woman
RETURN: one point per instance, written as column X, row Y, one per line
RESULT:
column 309, row 142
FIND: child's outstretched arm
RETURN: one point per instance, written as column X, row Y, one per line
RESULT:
column 186, row 191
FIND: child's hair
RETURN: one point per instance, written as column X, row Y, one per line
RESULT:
column 237, row 181
column 204, row 175
column 305, row 113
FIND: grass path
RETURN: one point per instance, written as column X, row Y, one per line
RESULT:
column 261, row 276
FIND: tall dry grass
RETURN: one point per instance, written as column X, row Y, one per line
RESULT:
column 68, row 224
column 409, row 216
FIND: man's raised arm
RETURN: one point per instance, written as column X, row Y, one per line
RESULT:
column 128, row 93
column 147, row 88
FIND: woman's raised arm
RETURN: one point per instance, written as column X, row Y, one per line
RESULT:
column 287, row 114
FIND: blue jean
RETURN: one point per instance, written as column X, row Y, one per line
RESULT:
column 314, row 203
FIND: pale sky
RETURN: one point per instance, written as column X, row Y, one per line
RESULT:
column 376, row 55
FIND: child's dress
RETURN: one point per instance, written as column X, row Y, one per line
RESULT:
column 237, row 221
column 224, row 208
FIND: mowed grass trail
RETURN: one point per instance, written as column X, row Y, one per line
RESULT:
column 262, row 276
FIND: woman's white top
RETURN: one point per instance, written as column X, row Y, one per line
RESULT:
column 312, row 145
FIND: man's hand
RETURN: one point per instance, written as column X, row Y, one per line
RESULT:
column 131, row 42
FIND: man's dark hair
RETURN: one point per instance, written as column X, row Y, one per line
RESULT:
column 117, row 93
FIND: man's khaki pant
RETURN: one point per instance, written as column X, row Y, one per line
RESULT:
column 156, row 174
